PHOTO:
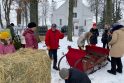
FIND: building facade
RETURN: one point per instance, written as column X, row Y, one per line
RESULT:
column 82, row 16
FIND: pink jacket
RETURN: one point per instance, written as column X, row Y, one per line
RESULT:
column 31, row 41
column 9, row 49
column 1, row 48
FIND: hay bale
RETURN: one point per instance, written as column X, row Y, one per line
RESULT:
column 25, row 66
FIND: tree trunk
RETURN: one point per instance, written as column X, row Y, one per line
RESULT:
column 34, row 14
column 34, row 11
column 7, row 7
column 96, row 11
column 1, row 23
column 70, row 20
column 109, row 12
column 18, row 16
column 26, row 13
column 19, row 11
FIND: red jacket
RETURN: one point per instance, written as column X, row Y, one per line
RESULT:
column 31, row 41
column 52, row 38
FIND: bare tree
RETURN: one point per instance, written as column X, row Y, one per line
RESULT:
column 70, row 20
column 108, row 12
column 45, row 10
column 116, row 10
column 97, row 6
column 7, row 7
column 1, row 23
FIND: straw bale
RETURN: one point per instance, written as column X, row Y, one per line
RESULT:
column 25, row 66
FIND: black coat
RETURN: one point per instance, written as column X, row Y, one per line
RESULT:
column 105, row 37
column 95, row 34
column 76, row 76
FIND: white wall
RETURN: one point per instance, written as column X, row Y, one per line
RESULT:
column 83, row 13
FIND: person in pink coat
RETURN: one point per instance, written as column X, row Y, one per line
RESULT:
column 31, row 41
column 9, row 47
column 6, row 45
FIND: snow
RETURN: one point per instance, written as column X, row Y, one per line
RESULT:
column 100, row 76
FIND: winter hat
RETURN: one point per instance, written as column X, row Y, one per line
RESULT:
column 54, row 25
column 12, row 24
column 116, row 26
column 94, row 24
column 64, row 72
column 4, row 35
column 31, row 25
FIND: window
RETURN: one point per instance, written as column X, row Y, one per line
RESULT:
column 60, row 21
column 75, row 3
column 74, row 15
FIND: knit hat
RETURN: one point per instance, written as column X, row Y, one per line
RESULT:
column 94, row 24
column 31, row 25
column 64, row 73
column 4, row 35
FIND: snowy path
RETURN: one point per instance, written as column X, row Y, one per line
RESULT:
column 100, row 76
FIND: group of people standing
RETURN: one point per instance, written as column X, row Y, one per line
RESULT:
column 7, row 39
column 112, row 39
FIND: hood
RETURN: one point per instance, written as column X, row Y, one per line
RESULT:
column 28, row 31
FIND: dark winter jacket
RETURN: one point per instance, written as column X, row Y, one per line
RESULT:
column 105, row 36
column 76, row 76
column 95, row 34
column 11, row 31
column 31, row 41
column 52, row 38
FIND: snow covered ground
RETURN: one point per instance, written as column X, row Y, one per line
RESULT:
column 100, row 76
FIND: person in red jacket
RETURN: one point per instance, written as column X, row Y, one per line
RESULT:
column 31, row 41
column 52, row 42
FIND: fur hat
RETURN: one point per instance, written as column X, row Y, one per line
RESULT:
column 64, row 73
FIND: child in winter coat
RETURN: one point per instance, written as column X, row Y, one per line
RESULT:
column 8, row 47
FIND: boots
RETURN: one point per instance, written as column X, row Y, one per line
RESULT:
column 119, row 71
column 55, row 67
column 111, row 72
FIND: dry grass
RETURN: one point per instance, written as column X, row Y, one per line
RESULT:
column 25, row 66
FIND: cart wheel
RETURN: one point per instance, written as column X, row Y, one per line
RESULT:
column 60, row 61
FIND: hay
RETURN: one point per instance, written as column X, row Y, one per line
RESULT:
column 25, row 66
